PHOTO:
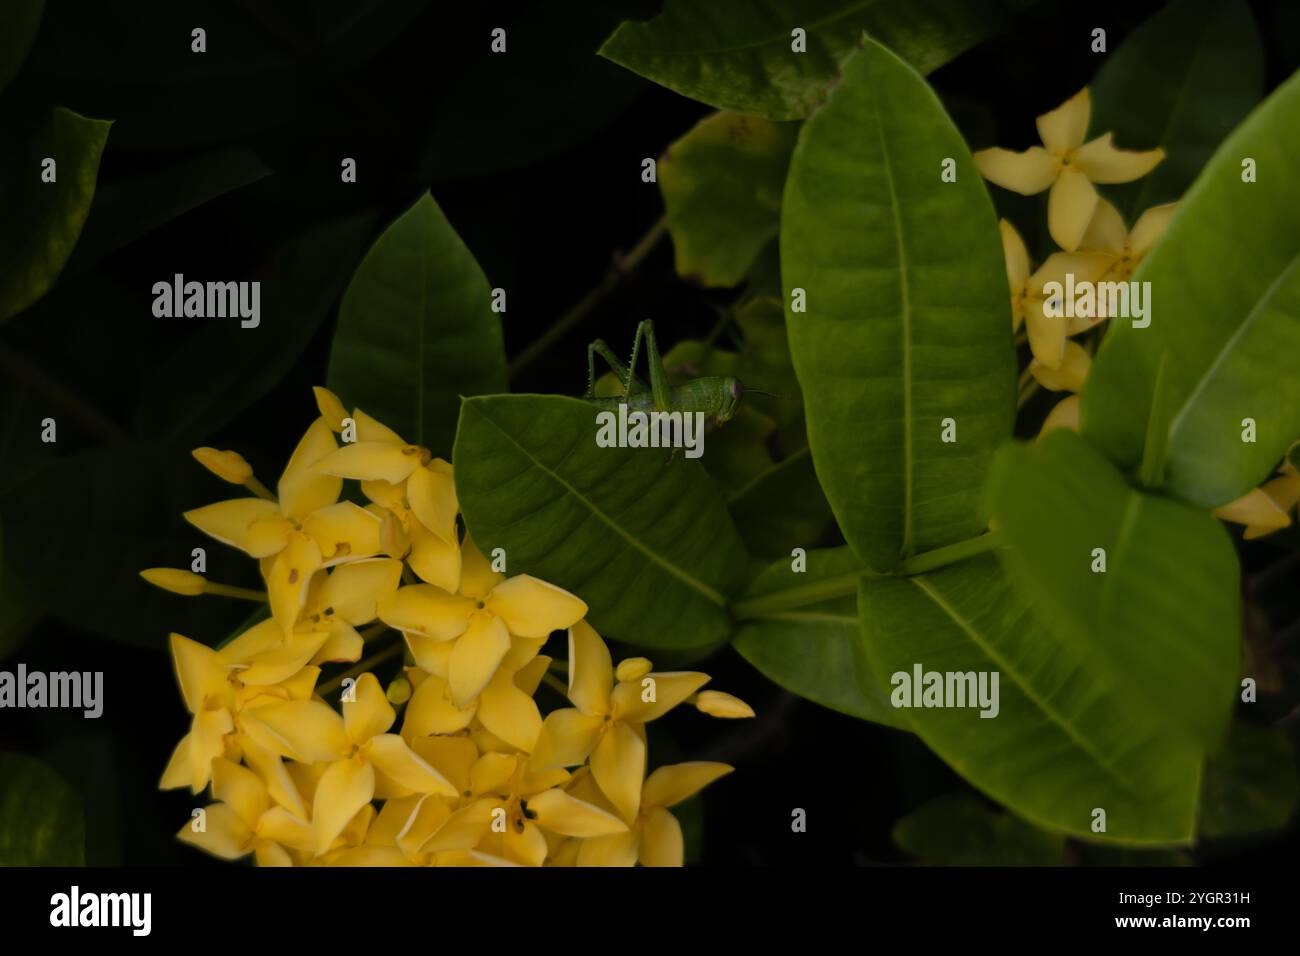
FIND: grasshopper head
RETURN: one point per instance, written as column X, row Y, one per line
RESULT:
column 732, row 390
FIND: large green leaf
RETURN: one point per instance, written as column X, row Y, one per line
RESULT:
column 1225, row 284
column 1252, row 786
column 22, row 20
column 1164, row 614
column 813, row 650
column 1070, row 736
column 1180, row 81
column 765, row 364
column 42, row 822
column 781, row 508
column 646, row 542
column 907, row 319
column 739, row 54
column 960, row 830
column 237, row 366
column 416, row 330
column 42, row 220
column 721, row 184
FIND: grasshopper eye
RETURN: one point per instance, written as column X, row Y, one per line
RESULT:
column 736, row 388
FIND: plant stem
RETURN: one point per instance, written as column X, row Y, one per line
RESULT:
column 24, row 369
column 619, row 270
column 232, row 591
column 843, row 585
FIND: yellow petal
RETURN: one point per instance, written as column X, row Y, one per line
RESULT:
column 371, row 461
column 508, row 712
column 1284, row 490
column 524, row 845
column 280, row 826
column 276, row 777
column 492, row 773
column 661, row 840
column 1065, row 414
column 1046, row 337
column 476, row 656
column 331, row 409
column 176, row 580
column 1070, row 375
column 177, row 773
column 397, row 761
column 618, row 849
column 303, row 487
column 227, row 465
column 716, row 703
column 434, row 560
column 280, row 664
column 655, row 694
column 672, row 784
column 1257, row 510
column 343, row 645
column 1070, row 207
column 224, row 835
column 567, row 738
column 463, row 829
column 207, row 743
column 240, row 789
column 432, row 494
column 533, row 608
column 261, row 637
column 200, row 671
column 1101, row 162
column 618, row 764
column 429, row 815
column 385, row 493
column 427, row 610
column 477, row 577
column 591, row 670
column 344, row 789
column 372, row 430
column 560, row 813
column 1064, row 128
column 290, row 577
column 1149, row 228
column 1015, row 255
column 1084, row 266
column 304, row 730
column 1026, row 173
column 431, row 656
column 370, row 713
column 252, row 525
column 1106, row 232
column 430, row 711
column 528, row 677
column 344, row 531
column 450, row 756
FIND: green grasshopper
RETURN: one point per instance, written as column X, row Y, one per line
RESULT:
column 717, row 397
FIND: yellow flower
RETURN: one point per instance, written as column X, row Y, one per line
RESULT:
column 464, row 637
column 1265, row 509
column 716, row 703
column 607, row 720
column 364, row 759
column 1108, row 235
column 1068, row 165
column 246, row 821
column 655, row 837
column 1069, row 376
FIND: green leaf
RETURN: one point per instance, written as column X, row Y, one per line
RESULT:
column 1181, row 81
column 765, row 363
column 1225, row 280
column 907, row 320
column 1251, row 787
column 1070, row 736
column 22, row 20
column 739, row 54
column 960, row 830
column 42, row 822
column 813, row 650
column 721, row 184
column 1165, row 614
column 237, row 366
column 781, row 508
column 646, row 542
column 416, row 330
column 42, row 220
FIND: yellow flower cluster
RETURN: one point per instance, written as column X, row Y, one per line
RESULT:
column 1096, row 247
column 472, row 774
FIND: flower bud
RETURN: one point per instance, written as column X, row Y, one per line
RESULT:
column 399, row 691
column 716, row 703
column 226, row 465
column 331, row 409
column 175, row 580
column 634, row 668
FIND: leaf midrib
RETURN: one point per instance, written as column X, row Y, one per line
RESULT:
column 682, row 575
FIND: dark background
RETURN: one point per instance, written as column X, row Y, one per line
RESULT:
column 535, row 157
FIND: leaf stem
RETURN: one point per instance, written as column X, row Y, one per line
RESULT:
column 232, row 591
column 24, row 369
column 620, row 269
column 843, row 585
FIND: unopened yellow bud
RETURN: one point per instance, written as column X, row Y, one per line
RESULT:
column 634, row 668
column 716, row 703
column 176, row 580
column 226, row 465
column 331, row 409
column 399, row 691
